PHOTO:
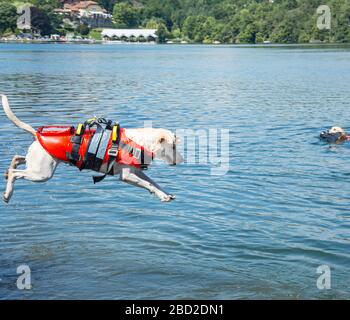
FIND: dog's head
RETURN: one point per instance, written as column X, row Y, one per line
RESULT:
column 334, row 135
column 165, row 147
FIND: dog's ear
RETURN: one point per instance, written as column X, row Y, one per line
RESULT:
column 166, row 136
column 161, row 140
column 158, row 140
column 163, row 136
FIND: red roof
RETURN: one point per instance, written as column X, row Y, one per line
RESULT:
column 76, row 6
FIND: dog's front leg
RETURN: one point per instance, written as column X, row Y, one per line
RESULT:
column 137, row 178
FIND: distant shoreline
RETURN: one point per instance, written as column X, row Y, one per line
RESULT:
column 91, row 41
column 52, row 41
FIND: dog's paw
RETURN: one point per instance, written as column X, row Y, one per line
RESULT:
column 168, row 198
column 6, row 174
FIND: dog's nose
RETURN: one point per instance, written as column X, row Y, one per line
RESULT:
column 324, row 134
column 330, row 137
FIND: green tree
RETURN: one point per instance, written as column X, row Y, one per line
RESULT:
column 199, row 28
column 229, row 21
column 259, row 38
column 248, row 34
column 40, row 21
column 48, row 7
column 152, row 23
column 44, row 3
column 107, row 4
column 167, row 10
column 125, row 15
column 229, row 32
column 96, row 34
column 162, row 30
column 162, row 33
column 83, row 29
column 8, row 14
column 176, row 33
column 189, row 26
column 287, row 31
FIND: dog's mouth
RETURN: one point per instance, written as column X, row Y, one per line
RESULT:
column 330, row 137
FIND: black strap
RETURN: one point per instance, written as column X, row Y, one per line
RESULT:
column 112, row 154
column 91, row 161
column 76, row 140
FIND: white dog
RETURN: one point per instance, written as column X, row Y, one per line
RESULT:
column 41, row 165
column 335, row 135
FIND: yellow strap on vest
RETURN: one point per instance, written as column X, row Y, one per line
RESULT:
column 115, row 133
column 79, row 129
column 91, row 120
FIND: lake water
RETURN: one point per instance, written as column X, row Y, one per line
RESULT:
column 259, row 231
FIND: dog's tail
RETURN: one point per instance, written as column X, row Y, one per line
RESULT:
column 13, row 118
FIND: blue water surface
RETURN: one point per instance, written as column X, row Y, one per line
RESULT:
column 259, row 231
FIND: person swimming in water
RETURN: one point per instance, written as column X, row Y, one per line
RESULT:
column 335, row 135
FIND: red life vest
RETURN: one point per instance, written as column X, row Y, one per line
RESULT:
column 56, row 140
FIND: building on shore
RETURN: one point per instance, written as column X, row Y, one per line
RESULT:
column 89, row 13
column 130, row 35
column 32, row 20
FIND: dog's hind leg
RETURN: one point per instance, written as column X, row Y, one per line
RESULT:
column 13, row 175
column 137, row 178
column 16, row 161
column 40, row 168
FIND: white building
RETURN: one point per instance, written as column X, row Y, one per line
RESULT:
column 130, row 35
